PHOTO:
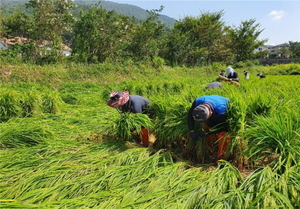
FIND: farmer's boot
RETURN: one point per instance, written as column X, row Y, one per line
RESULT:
column 145, row 136
column 223, row 142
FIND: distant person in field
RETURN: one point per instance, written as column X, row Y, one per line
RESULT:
column 231, row 74
column 210, row 113
column 261, row 75
column 213, row 85
column 246, row 74
column 131, row 104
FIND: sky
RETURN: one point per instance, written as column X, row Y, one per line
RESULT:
column 279, row 19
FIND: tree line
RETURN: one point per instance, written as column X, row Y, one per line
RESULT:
column 96, row 35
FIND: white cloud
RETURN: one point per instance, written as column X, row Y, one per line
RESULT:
column 276, row 15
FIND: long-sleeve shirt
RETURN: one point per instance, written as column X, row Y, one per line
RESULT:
column 218, row 120
column 136, row 104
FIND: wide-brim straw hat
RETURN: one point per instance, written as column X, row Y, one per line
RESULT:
column 118, row 99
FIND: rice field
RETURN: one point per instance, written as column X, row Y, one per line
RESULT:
column 61, row 146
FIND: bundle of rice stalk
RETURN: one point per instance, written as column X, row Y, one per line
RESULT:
column 127, row 123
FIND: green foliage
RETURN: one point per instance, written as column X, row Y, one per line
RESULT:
column 101, row 34
column 147, row 37
column 97, row 32
column 10, row 104
column 197, row 38
column 246, row 64
column 244, row 39
column 17, row 24
column 51, row 101
column 294, row 48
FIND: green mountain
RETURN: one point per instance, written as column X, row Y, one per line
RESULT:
column 126, row 9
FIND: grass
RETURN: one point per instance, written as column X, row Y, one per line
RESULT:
column 64, row 158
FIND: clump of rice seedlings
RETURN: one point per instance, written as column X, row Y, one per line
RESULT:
column 127, row 124
column 177, row 87
column 140, row 90
column 128, row 86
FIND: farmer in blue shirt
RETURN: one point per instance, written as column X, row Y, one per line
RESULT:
column 210, row 113
column 131, row 104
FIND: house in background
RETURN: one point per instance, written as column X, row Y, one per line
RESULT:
column 5, row 43
column 277, row 51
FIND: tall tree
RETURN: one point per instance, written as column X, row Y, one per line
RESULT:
column 244, row 39
column 210, row 32
column 205, row 38
column 101, row 34
column 295, row 49
column 51, row 19
column 17, row 24
column 147, row 37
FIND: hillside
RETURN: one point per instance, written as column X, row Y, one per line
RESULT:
column 126, row 9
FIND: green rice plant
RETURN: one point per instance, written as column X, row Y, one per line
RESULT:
column 263, row 189
column 259, row 104
column 153, row 88
column 30, row 103
column 64, row 172
column 128, row 86
column 274, row 135
column 237, row 112
column 170, row 122
column 10, row 104
column 70, row 99
column 140, row 90
column 212, row 188
column 27, row 100
column 15, row 136
column 123, row 127
column 51, row 101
